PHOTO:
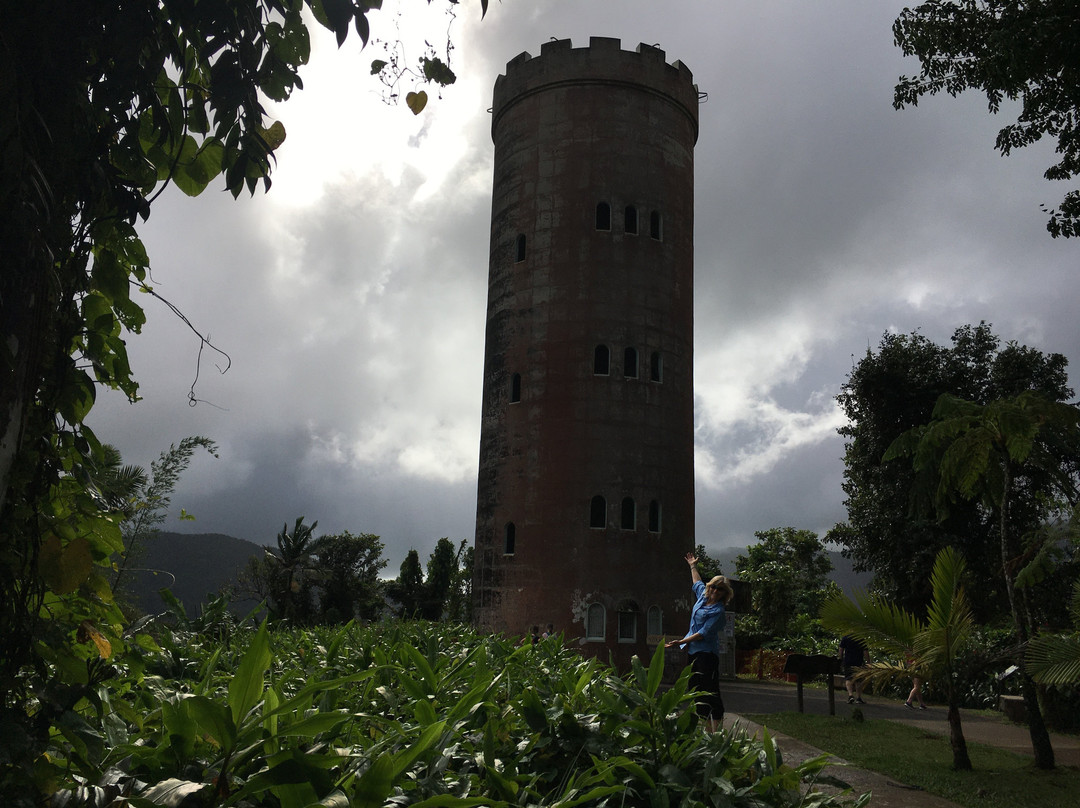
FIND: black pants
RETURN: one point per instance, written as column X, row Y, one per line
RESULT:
column 705, row 676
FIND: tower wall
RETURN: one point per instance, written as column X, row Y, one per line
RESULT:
column 574, row 128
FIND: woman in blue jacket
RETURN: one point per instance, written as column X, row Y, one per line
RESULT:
column 702, row 642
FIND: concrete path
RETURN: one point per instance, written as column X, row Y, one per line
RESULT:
column 752, row 697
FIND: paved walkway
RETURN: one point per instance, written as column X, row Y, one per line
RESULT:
column 752, row 697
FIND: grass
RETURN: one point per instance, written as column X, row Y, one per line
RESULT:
column 924, row 759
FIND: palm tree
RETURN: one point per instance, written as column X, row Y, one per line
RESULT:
column 1054, row 658
column 116, row 485
column 981, row 452
column 288, row 567
column 910, row 646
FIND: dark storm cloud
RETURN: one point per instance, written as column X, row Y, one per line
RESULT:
column 352, row 298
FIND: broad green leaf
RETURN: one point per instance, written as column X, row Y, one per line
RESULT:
column 77, row 398
column 656, row 670
column 450, row 801
column 424, row 711
column 99, row 587
column 173, row 792
column 313, row 725
column 420, row 663
column 274, row 136
column 336, row 799
column 177, row 721
column 64, row 567
column 246, row 687
column 339, row 638
column 374, row 785
column 197, row 167
column 214, row 720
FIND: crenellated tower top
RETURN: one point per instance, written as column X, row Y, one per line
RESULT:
column 603, row 62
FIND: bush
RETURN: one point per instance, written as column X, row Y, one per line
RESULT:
column 399, row 714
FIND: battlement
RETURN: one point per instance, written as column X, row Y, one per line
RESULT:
column 602, row 62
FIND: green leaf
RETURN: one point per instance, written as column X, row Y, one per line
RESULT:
column 246, row 687
column 64, row 567
column 656, row 670
column 423, row 667
column 450, row 801
column 437, row 70
column 336, row 799
column 214, row 719
column 273, row 136
column 416, row 102
column 337, row 15
column 363, row 28
column 313, row 725
column 178, row 722
column 339, row 638
column 109, row 275
column 197, row 168
column 173, row 792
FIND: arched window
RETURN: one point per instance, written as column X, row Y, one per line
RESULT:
column 519, row 249
column 601, row 360
column 655, row 621
column 656, row 225
column 515, row 388
column 628, row 621
column 509, row 538
column 598, row 512
column 595, row 620
column 654, row 516
column 603, row 216
column 630, row 220
column 629, row 367
column 629, row 514
column 656, row 367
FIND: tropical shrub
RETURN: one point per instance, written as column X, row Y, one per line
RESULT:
column 402, row 714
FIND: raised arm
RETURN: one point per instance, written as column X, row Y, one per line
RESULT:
column 691, row 559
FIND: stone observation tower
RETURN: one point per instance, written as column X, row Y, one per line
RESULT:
column 585, row 498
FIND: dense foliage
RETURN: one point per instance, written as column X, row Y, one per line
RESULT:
column 1011, row 454
column 399, row 714
column 102, row 106
column 788, row 573
column 889, row 531
column 1010, row 49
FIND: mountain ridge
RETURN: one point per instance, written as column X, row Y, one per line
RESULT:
column 197, row 566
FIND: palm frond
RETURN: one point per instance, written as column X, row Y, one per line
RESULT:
column 950, row 620
column 883, row 673
column 949, row 605
column 1054, row 659
column 883, row 626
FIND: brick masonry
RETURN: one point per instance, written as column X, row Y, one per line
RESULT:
column 574, row 128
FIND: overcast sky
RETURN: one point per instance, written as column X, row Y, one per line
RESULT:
column 351, row 298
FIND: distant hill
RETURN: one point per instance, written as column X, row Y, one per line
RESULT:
column 846, row 577
column 195, row 566
column 203, row 563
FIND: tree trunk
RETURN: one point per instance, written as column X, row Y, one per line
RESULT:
column 960, row 759
column 1040, row 738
